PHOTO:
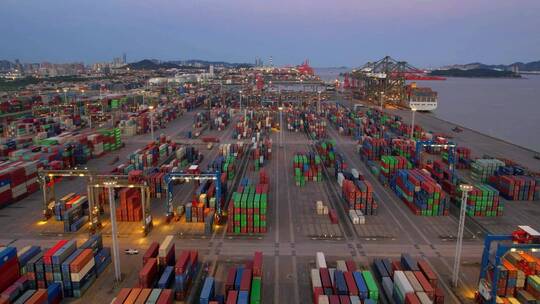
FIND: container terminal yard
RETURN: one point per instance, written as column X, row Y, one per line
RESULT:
column 260, row 185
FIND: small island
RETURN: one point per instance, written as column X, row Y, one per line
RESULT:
column 476, row 73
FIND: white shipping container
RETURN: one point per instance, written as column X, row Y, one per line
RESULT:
column 323, row 299
column 332, row 271
column 325, row 210
column 166, row 246
column 423, row 297
column 22, row 251
column 340, row 179
column 362, row 220
column 320, row 261
column 354, row 218
column 315, row 278
column 341, row 265
column 355, row 300
column 402, row 284
column 355, row 173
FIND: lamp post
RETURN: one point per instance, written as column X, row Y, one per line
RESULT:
column 412, row 123
column 457, row 260
column 115, row 250
column 381, row 101
column 280, row 126
column 319, row 103
column 151, row 121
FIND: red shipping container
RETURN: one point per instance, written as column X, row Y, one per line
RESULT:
column 182, row 263
column 122, row 296
column 426, row 286
column 148, row 273
column 245, row 283
column 231, row 276
column 325, row 279
column 257, row 264
column 39, row 297
column 166, row 297
column 351, row 284
column 10, row 273
column 151, row 252
column 351, row 265
column 411, row 298
column 334, row 299
column 428, row 272
column 317, row 291
column 232, row 296
column 344, row 299
column 47, row 256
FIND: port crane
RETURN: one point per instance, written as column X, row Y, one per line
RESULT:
column 94, row 181
column 524, row 238
column 385, row 80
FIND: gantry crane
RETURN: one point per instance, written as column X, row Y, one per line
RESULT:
column 385, row 80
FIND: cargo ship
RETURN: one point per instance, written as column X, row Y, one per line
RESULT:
column 420, row 99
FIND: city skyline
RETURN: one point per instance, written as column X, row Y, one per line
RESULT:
column 422, row 32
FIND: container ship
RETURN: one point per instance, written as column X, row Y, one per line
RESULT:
column 421, row 99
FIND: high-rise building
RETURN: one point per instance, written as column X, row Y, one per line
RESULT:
column 124, row 58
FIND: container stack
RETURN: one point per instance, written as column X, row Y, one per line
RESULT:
column 483, row 200
column 482, row 169
column 321, row 208
column 243, row 285
column 516, row 187
column 185, row 270
column 421, row 193
column 166, row 251
column 390, row 165
column 307, row 167
column 130, row 207
column 261, row 153
column 144, row 295
column 358, row 194
column 344, row 284
column 325, row 149
column 17, row 180
column 463, row 157
column 72, row 209
column 373, row 148
column 408, row 280
column 519, row 281
column 248, row 209
column 314, row 126
column 404, row 147
column 72, row 269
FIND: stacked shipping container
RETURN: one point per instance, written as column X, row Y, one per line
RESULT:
column 421, row 193
column 248, row 209
column 408, row 280
column 343, row 284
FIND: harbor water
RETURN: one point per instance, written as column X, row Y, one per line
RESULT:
column 508, row 109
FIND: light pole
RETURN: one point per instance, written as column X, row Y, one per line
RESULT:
column 115, row 250
column 151, row 121
column 412, row 123
column 381, row 101
column 280, row 127
column 457, row 260
column 319, row 103
column 240, row 93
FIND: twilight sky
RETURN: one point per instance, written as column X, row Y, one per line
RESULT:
column 330, row 33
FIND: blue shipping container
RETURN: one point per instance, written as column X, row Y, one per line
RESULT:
column 207, row 292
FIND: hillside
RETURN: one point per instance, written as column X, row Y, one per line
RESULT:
column 480, row 73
